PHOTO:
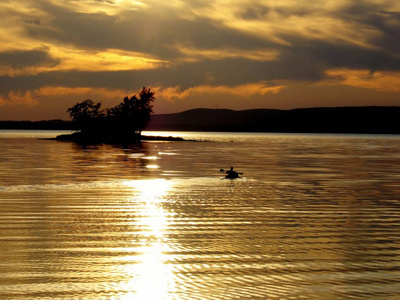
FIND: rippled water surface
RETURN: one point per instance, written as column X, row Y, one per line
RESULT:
column 313, row 217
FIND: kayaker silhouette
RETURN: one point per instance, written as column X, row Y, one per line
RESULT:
column 231, row 174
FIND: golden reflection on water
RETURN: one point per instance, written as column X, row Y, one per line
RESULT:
column 151, row 276
column 312, row 218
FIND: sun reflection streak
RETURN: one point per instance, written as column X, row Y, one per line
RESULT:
column 150, row 190
column 151, row 275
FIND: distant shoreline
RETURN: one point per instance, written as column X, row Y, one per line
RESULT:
column 352, row 120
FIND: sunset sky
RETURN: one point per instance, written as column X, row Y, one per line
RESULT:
column 238, row 54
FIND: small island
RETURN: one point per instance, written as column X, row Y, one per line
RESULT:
column 121, row 124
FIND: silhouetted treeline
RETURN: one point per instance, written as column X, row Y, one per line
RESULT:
column 370, row 119
column 38, row 125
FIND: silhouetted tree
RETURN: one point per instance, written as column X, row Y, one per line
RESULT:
column 133, row 114
column 86, row 114
column 145, row 108
column 123, row 116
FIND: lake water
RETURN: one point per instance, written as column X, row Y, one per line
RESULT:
column 313, row 217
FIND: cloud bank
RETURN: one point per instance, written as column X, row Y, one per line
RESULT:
column 195, row 53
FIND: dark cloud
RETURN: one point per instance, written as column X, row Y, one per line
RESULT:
column 258, row 11
column 32, row 58
column 254, row 11
column 325, row 54
column 229, row 72
column 306, row 61
column 32, row 21
column 375, row 17
column 151, row 32
column 294, row 11
column 388, row 23
column 158, row 32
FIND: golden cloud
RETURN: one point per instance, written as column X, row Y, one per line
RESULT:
column 53, row 91
column 31, row 98
column 193, row 54
column 245, row 90
column 80, row 60
column 110, row 60
column 380, row 80
column 14, row 98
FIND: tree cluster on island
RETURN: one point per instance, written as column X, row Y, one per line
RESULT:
column 121, row 123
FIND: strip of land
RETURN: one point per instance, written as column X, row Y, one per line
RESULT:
column 370, row 119
column 84, row 139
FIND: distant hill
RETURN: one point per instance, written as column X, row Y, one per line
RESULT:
column 370, row 119
column 366, row 119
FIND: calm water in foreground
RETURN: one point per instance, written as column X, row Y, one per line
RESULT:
column 313, row 217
